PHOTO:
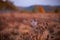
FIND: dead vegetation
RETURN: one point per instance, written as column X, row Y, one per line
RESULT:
column 19, row 26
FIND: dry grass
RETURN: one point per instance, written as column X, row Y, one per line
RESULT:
column 16, row 26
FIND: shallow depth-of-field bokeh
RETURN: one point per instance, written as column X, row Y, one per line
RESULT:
column 36, row 22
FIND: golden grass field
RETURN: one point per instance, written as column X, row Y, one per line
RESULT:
column 20, row 26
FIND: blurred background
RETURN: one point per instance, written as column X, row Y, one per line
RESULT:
column 35, row 6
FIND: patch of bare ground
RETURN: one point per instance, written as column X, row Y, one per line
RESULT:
column 25, row 26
